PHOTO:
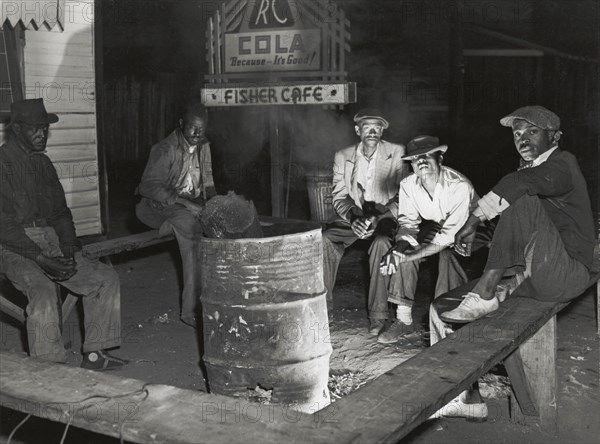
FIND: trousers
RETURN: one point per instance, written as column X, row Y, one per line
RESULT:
column 527, row 244
column 97, row 284
column 178, row 220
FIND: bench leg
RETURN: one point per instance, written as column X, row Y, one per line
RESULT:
column 532, row 371
column 13, row 310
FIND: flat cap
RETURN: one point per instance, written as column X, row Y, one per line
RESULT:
column 370, row 113
column 536, row 115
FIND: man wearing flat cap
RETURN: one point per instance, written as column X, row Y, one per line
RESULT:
column 39, row 246
column 434, row 203
column 545, row 234
column 365, row 187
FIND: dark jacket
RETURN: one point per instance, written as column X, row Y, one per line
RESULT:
column 31, row 192
column 164, row 169
column 559, row 184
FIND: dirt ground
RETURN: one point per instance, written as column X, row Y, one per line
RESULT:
column 163, row 350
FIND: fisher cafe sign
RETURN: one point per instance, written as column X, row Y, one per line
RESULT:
column 255, row 45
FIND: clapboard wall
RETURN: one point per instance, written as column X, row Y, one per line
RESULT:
column 59, row 67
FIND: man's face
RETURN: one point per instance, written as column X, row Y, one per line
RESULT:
column 530, row 140
column 369, row 131
column 425, row 164
column 32, row 137
column 193, row 129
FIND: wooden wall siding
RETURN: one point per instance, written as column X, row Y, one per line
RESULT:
column 59, row 67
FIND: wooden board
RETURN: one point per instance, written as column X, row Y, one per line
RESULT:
column 125, row 243
column 384, row 410
column 166, row 414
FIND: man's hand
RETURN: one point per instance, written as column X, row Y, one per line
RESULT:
column 57, row 268
column 394, row 257
column 363, row 227
column 194, row 207
column 465, row 236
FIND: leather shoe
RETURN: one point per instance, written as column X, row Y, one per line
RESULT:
column 375, row 326
column 396, row 331
column 100, row 360
column 471, row 308
column 458, row 408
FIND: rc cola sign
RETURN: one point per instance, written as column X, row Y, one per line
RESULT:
column 271, row 37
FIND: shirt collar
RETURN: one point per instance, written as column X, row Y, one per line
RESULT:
column 543, row 157
column 360, row 151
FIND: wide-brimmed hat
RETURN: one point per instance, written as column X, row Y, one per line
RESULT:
column 370, row 113
column 31, row 111
column 423, row 145
column 536, row 115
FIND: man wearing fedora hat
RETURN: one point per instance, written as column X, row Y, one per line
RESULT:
column 545, row 233
column 441, row 196
column 365, row 187
column 39, row 246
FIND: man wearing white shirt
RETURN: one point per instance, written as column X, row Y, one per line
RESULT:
column 433, row 193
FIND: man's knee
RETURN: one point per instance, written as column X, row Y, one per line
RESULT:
column 380, row 245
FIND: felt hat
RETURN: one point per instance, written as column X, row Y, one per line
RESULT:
column 31, row 111
column 423, row 145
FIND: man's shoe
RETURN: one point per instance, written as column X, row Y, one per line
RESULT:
column 100, row 360
column 458, row 408
column 471, row 308
column 395, row 332
column 375, row 326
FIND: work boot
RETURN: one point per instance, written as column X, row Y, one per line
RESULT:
column 471, row 308
column 375, row 326
column 100, row 360
column 395, row 332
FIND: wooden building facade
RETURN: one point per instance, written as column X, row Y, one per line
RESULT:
column 53, row 44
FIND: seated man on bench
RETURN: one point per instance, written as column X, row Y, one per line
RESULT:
column 441, row 196
column 544, row 238
column 38, row 246
column 175, row 185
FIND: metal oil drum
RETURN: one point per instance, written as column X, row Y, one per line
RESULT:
column 264, row 316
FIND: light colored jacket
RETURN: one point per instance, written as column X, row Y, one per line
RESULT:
column 390, row 169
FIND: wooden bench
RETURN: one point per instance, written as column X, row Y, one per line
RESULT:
column 385, row 410
column 521, row 334
column 92, row 251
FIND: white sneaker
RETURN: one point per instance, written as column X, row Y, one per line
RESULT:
column 458, row 408
column 471, row 308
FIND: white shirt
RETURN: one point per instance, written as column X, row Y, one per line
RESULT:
column 365, row 172
column 188, row 183
column 450, row 206
column 491, row 205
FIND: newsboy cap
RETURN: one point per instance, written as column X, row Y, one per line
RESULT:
column 370, row 113
column 423, row 145
column 31, row 111
column 536, row 115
